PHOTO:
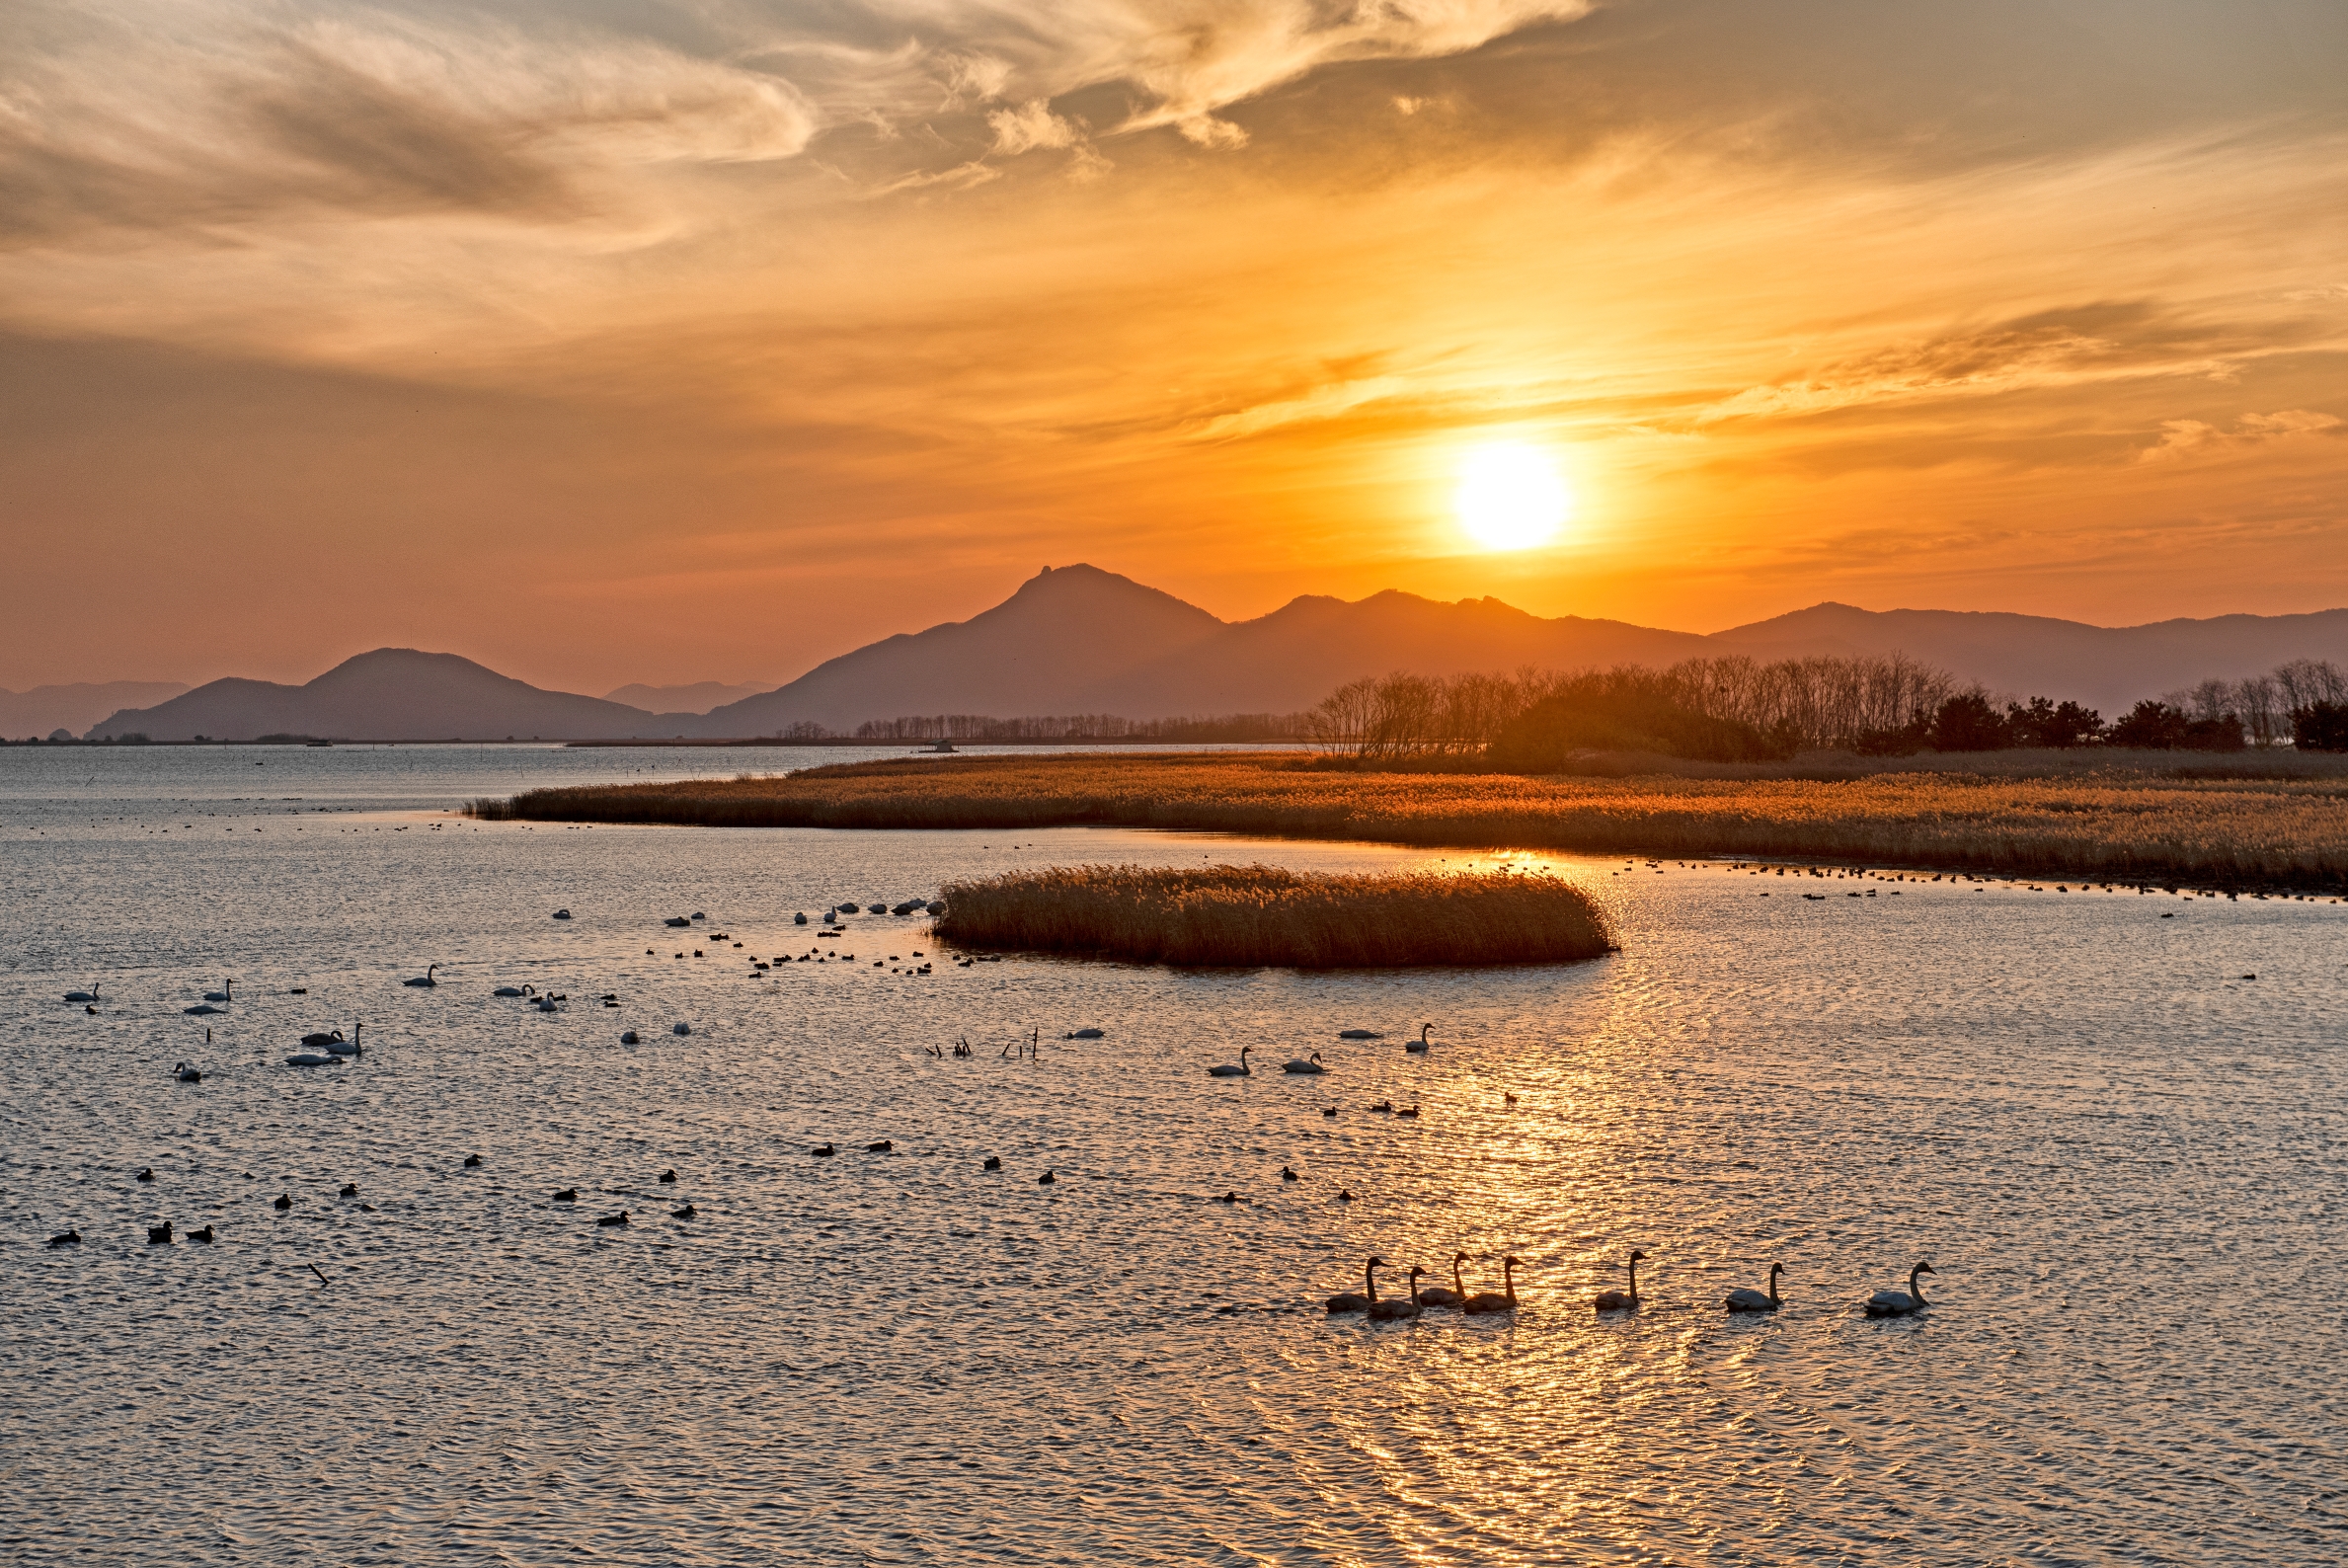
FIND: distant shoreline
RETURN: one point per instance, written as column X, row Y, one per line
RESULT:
column 2156, row 823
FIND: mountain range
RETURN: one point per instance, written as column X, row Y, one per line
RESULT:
column 1077, row 640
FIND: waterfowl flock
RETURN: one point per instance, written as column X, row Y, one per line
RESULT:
column 1882, row 1304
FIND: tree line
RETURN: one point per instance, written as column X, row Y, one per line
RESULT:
column 1742, row 709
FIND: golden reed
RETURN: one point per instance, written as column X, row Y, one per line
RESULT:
column 1260, row 915
column 2118, row 824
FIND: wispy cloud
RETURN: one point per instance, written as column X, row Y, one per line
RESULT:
column 2185, row 439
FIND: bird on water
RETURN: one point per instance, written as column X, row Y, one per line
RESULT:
column 1046, row 1180
column 1393, row 1310
column 619, row 1218
column 1902, row 1303
column 1227, row 1070
column 159, row 1235
column 205, row 1235
column 1418, row 1046
column 992, row 1163
column 1745, row 1299
column 70, row 1238
column 1457, row 1296
column 1620, row 1301
column 1364, row 1298
column 1485, row 1302
column 145, row 1175
column 425, row 979
column 1308, row 1064
column 226, row 992
column 186, row 1075
column 282, row 1203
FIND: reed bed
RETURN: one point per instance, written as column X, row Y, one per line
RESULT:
column 1260, row 915
column 2124, row 825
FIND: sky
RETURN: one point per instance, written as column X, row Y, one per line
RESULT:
column 609, row 340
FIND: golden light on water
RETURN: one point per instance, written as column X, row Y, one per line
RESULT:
column 1511, row 495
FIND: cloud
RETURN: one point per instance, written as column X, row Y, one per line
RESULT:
column 1030, row 125
column 2184, row 440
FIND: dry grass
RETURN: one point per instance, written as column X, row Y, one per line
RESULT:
column 1256, row 915
column 2133, row 824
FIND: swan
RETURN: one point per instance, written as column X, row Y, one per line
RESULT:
column 188, row 1074
column 1418, row 1046
column 1616, row 1300
column 311, row 1059
column 1358, row 1034
column 1081, row 1034
column 89, row 996
column 1436, row 1296
column 1504, row 1302
column 319, row 1041
column 202, row 1010
column 425, row 979
column 1396, row 1311
column 1229, row 1070
column 1366, row 1297
column 1748, row 1301
column 223, row 994
column 1312, row 1063
column 507, row 990
column 339, row 1047
column 1902, row 1303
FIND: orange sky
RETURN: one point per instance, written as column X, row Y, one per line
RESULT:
column 706, row 341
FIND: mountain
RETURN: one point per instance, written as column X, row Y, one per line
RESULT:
column 44, row 710
column 699, row 697
column 2108, row 667
column 392, row 694
column 1077, row 640
column 1063, row 642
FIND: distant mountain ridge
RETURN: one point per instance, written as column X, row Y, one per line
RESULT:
column 1079, row 640
column 44, row 710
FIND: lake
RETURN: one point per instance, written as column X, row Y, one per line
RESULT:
column 2125, row 1156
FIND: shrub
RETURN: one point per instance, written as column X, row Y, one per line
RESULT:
column 2320, row 727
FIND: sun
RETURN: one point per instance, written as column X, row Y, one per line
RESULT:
column 1509, row 495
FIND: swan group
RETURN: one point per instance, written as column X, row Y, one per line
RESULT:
column 1400, row 1309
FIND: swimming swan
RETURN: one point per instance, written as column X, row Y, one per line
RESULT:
column 311, row 1059
column 425, row 979
column 1395, row 1310
column 223, row 994
column 1228, row 1070
column 89, row 996
column 1902, row 1303
column 1747, row 1300
column 339, row 1047
column 1505, row 1302
column 1358, row 1034
column 1436, row 1296
column 188, row 1074
column 1418, row 1046
column 1616, row 1300
column 1363, row 1300
column 1311, row 1063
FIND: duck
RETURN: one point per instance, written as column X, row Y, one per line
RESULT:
column 1228, row 1198
column 1902, row 1303
column 619, row 1218
column 282, row 1203
column 884, row 1146
column 349, row 1189
column 159, row 1235
column 1344, row 1196
column 1365, row 1298
column 1046, row 1180
column 992, row 1163
column 1386, row 1106
column 668, row 1176
column 1457, row 1296
column 1407, row 1111
column 1744, row 1299
column 628, row 1037
column 1418, row 1046
column 689, row 1212
column 226, row 992
column 1618, row 1301
column 824, row 1151
column 425, row 979
column 205, row 1235
column 146, row 1174
column 1505, row 1301
column 1391, row 1312
column 186, row 1075
column 1312, row 1063
column 1287, row 1175
column 569, row 1195
column 69, row 1238
column 1358, row 1034
column 1328, row 1110
column 472, row 1161
column 1228, row 1069
column 89, row 996
column 1507, row 1098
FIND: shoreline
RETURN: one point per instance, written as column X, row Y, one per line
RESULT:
column 2133, row 827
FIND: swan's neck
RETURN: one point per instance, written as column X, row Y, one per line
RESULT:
column 1458, row 1286
column 1915, row 1287
column 1773, row 1284
column 1635, row 1279
column 1508, row 1278
column 1369, row 1282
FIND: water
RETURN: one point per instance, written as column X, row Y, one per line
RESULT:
column 2125, row 1162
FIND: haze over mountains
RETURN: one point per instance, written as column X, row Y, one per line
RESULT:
column 1078, row 639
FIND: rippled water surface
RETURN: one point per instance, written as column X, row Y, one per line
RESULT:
column 2124, row 1156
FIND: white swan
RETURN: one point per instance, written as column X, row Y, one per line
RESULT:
column 1616, row 1300
column 311, row 1059
column 1742, row 1300
column 1228, row 1069
column 1436, row 1296
column 339, row 1047
column 223, row 994
column 425, row 979
column 1393, row 1310
column 188, row 1074
column 1304, row 1065
column 1358, row 1034
column 1418, row 1046
column 89, row 996
column 1366, row 1297
column 507, row 990
column 1486, row 1301
column 1901, row 1303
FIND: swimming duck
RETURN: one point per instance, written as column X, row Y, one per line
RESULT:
column 569, row 1195
column 71, row 1239
column 992, row 1163
column 157, row 1235
column 619, row 1218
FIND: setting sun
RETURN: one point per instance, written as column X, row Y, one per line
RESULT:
column 1510, row 497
